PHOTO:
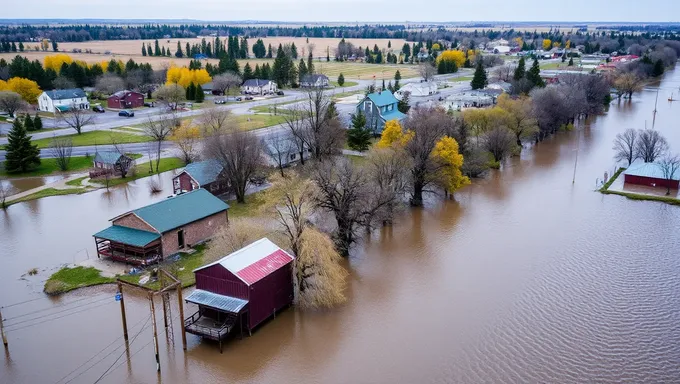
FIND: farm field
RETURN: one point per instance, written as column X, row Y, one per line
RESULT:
column 332, row 69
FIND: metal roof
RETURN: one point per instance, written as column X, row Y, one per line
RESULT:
column 127, row 235
column 180, row 210
column 255, row 261
column 652, row 170
column 107, row 157
column 61, row 94
column 213, row 300
column 125, row 93
column 382, row 98
column 393, row 115
column 256, row 83
column 204, row 172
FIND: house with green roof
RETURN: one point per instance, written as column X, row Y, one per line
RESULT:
column 379, row 108
column 110, row 162
column 148, row 234
column 208, row 174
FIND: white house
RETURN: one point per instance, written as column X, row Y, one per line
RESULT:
column 63, row 100
column 425, row 88
column 314, row 81
column 283, row 151
column 258, row 87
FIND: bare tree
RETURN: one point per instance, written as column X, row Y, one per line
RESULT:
column 186, row 137
column 624, row 146
column 11, row 102
column 594, row 87
column 214, row 121
column 60, row 149
column 426, row 71
column 134, row 79
column 159, row 129
column 669, row 165
column 315, row 124
column 500, row 142
column 650, row 145
column 171, row 94
column 293, row 214
column 109, row 83
column 298, row 131
column 239, row 233
column 225, row 81
column 240, row 153
column 77, row 118
column 519, row 117
column 388, row 173
column 6, row 190
column 503, row 73
column 278, row 148
column 627, row 83
column 63, row 82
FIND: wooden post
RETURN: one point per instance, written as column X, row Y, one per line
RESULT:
column 181, row 316
column 122, row 311
column 155, row 333
column 2, row 330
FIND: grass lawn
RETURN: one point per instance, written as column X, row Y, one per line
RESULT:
column 134, row 156
column 127, row 129
column 346, row 84
column 250, row 122
column 166, row 164
column 357, row 160
column 76, row 182
column 68, row 279
column 270, row 109
column 97, row 137
column 49, row 192
column 461, row 78
column 49, row 166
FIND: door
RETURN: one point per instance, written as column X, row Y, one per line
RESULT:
column 180, row 239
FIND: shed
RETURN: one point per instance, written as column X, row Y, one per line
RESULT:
column 314, row 81
column 208, row 174
column 425, row 88
column 110, row 162
column 247, row 286
column 650, row 174
column 145, row 235
column 126, row 99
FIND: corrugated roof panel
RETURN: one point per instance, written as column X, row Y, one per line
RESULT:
column 127, row 235
column 383, row 98
column 652, row 170
column 263, row 267
column 213, row 300
column 204, row 172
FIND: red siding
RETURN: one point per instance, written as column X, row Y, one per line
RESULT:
column 218, row 279
column 270, row 294
column 184, row 182
column 651, row 181
column 130, row 100
column 193, row 232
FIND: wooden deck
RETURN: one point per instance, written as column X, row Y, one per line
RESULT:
column 210, row 328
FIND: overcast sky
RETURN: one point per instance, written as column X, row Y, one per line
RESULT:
column 352, row 10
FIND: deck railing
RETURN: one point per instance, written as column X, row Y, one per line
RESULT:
column 216, row 332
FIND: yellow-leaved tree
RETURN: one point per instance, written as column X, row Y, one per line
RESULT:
column 393, row 135
column 453, row 55
column 547, row 43
column 3, row 85
column 450, row 176
column 436, row 47
column 55, row 62
column 519, row 41
column 185, row 76
column 28, row 89
column 186, row 137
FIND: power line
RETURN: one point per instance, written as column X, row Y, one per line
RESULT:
column 24, row 302
column 121, row 355
column 44, row 309
column 59, row 317
column 53, row 313
column 95, row 355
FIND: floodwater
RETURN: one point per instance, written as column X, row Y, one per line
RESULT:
column 524, row 277
column 25, row 183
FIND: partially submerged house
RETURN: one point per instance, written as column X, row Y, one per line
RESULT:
column 314, row 81
column 208, row 174
column 125, row 99
column 651, row 175
column 62, row 100
column 379, row 107
column 110, row 163
column 146, row 235
column 242, row 289
column 258, row 87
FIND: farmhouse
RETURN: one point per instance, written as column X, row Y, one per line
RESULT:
column 425, row 88
column 650, row 174
column 379, row 107
column 110, row 162
column 126, row 99
column 314, row 81
column 283, row 151
column 208, row 174
column 244, row 288
column 62, row 100
column 146, row 235
column 258, row 87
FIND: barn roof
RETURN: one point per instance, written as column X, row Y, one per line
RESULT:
column 61, row 94
column 652, row 170
column 254, row 262
column 214, row 300
column 181, row 210
column 204, row 172
column 127, row 235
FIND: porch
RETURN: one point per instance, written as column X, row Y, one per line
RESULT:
column 129, row 245
column 217, row 315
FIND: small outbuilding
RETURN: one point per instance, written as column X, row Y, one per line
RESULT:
column 111, row 163
column 650, row 174
column 126, row 99
column 314, row 81
column 425, row 88
column 208, row 174
column 242, row 289
column 146, row 235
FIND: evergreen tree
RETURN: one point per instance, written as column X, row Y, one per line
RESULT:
column 269, row 52
column 163, row 51
column 389, row 44
column 479, row 79
column 247, row 72
column 571, row 62
column 37, row 122
column 310, row 63
column 21, row 46
column 143, row 49
column 282, row 68
column 402, row 105
column 243, row 49
column 55, row 46
column 328, row 55
column 179, row 52
column 379, row 58
column 21, row 154
column 302, row 70
column 157, row 49
column 658, row 68
column 266, row 71
column 293, row 51
column 520, row 71
column 188, row 50
column 28, row 123
column 257, row 74
column 191, row 92
column 383, row 85
column 359, row 136
column 341, row 79
column 534, row 75
column 199, row 96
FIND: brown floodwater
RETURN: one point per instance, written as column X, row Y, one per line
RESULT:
column 524, row 277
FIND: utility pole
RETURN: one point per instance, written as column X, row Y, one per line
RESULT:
column 155, row 332
column 122, row 311
column 578, row 142
column 181, row 316
column 4, row 337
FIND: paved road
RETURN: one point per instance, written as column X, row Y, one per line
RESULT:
column 141, row 148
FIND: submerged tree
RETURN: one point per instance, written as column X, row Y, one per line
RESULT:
column 624, row 146
column 650, row 145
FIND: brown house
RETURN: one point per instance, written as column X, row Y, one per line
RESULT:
column 208, row 174
column 148, row 234
column 126, row 99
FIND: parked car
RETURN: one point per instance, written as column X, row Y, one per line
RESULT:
column 98, row 109
column 149, row 104
column 249, row 97
column 220, row 101
column 239, row 98
column 126, row 113
column 280, row 93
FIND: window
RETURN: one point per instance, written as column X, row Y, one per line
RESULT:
column 368, row 106
column 293, row 156
column 390, row 107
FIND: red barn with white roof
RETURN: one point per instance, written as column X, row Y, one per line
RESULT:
column 260, row 274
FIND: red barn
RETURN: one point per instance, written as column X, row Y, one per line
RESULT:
column 126, row 99
column 246, row 288
column 650, row 174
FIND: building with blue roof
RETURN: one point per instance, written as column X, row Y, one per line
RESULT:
column 379, row 108
column 652, row 175
column 208, row 174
